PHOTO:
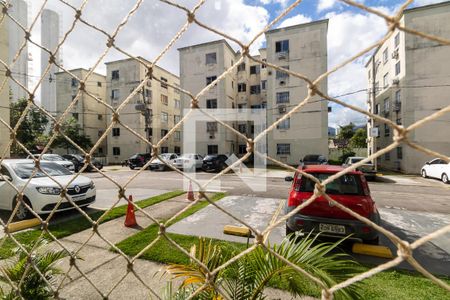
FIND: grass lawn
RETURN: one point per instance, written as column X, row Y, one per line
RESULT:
column 77, row 224
column 396, row 285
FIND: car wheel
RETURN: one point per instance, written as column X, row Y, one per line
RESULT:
column 22, row 212
column 424, row 174
column 131, row 167
column 445, row 178
column 374, row 241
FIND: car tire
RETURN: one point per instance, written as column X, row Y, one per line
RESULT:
column 22, row 213
column 132, row 167
column 445, row 178
column 374, row 241
column 424, row 174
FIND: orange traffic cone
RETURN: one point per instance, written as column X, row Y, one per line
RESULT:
column 130, row 219
column 190, row 194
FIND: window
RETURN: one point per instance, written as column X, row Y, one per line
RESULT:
column 99, row 84
column 254, row 70
column 377, row 109
column 177, row 135
column 163, row 83
column 387, row 130
column 100, row 133
column 115, row 94
column 255, row 108
column 282, row 97
column 283, row 148
column 211, row 58
column 241, row 67
column 263, row 66
column 100, row 150
column 398, row 121
column 164, row 117
column 211, row 126
column 377, row 88
column 399, row 153
column 213, row 149
column 255, row 89
column 177, row 149
column 282, row 46
column 385, row 80
column 164, row 132
column 99, row 117
column 74, row 82
column 263, row 84
column 75, row 116
column 164, row 99
column 242, row 106
column 242, row 128
column 385, row 55
column 211, row 103
column 397, row 40
column 252, row 129
column 116, row 151
column 115, row 76
column 116, row 132
column 164, row 149
column 148, row 94
column 281, row 74
column 386, row 105
column 177, row 103
column 176, row 119
column 242, row 149
column 398, row 100
column 397, row 68
column 387, row 156
column 210, row 79
column 242, row 87
column 285, row 124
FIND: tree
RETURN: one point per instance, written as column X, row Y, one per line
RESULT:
column 72, row 130
column 347, row 131
column 358, row 140
column 31, row 131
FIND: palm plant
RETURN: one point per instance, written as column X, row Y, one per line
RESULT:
column 249, row 276
column 33, row 286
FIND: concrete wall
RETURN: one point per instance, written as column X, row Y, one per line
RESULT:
column 4, row 93
column 91, row 114
column 307, row 55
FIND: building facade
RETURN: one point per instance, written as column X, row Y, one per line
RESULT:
column 408, row 79
column 152, row 112
column 252, row 85
column 50, row 32
column 88, row 112
column 4, row 92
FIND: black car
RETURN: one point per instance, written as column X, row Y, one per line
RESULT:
column 314, row 159
column 214, row 163
column 78, row 162
column 138, row 160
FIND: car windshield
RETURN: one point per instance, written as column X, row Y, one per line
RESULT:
column 25, row 170
column 52, row 157
column 311, row 158
column 165, row 156
column 355, row 160
column 348, row 184
column 211, row 157
column 189, row 156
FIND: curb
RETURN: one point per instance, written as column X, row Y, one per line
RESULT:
column 25, row 224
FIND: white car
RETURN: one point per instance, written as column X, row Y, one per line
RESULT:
column 189, row 162
column 157, row 164
column 56, row 158
column 42, row 193
column 368, row 168
column 437, row 168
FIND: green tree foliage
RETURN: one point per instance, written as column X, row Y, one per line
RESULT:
column 72, row 130
column 358, row 140
column 346, row 132
column 31, row 130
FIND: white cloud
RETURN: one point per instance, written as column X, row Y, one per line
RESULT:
column 297, row 19
column 426, row 2
column 325, row 5
column 283, row 3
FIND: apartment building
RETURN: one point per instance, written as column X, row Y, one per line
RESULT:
column 408, row 79
column 152, row 112
column 301, row 48
column 4, row 93
column 89, row 113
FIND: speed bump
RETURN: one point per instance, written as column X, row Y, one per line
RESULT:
column 372, row 250
column 25, row 224
column 237, row 230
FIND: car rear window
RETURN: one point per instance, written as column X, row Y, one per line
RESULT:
column 311, row 158
column 348, row 184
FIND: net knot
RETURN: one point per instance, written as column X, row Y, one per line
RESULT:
column 155, row 151
column 404, row 250
column 27, row 35
column 7, row 72
column 190, row 17
column 399, row 133
column 312, row 89
column 259, row 239
column 250, row 146
column 326, row 295
column 115, row 117
column 130, row 266
column 194, row 104
column 78, row 14
column 110, row 42
column 44, row 225
column 4, row 8
column 319, row 189
column 121, row 193
column 82, row 86
column 51, row 58
column 162, row 229
column 87, row 158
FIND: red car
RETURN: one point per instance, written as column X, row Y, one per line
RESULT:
column 322, row 216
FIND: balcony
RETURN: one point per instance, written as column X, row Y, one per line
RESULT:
column 397, row 106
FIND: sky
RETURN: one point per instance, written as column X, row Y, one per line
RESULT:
column 155, row 24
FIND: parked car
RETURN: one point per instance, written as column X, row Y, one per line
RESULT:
column 350, row 190
column 78, row 162
column 189, row 162
column 214, row 163
column 368, row 169
column 313, row 159
column 157, row 164
column 138, row 160
column 41, row 192
column 437, row 168
column 56, row 158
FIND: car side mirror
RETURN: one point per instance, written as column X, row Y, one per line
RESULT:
column 427, row 163
column 5, row 178
column 288, row 178
column 301, row 160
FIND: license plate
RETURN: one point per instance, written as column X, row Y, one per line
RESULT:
column 332, row 228
column 78, row 198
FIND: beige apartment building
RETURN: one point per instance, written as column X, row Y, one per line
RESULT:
column 152, row 112
column 4, row 93
column 408, row 79
column 89, row 113
column 300, row 48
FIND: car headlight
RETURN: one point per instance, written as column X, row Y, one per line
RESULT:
column 92, row 185
column 49, row 190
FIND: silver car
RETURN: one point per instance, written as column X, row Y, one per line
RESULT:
column 56, row 158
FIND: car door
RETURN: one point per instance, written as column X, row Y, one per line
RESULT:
column 440, row 168
column 7, row 192
column 433, row 168
column 198, row 161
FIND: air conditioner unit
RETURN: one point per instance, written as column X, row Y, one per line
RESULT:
column 282, row 82
column 211, row 136
column 397, row 106
column 282, row 109
column 282, row 55
column 395, row 54
column 395, row 81
column 374, row 132
column 269, row 73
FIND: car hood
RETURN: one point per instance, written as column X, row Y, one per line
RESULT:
column 63, row 163
column 62, row 180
